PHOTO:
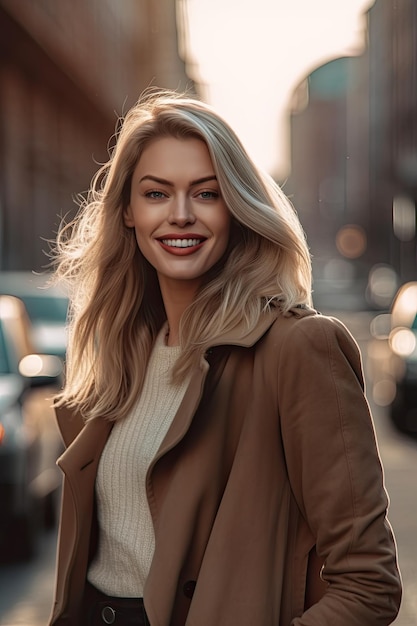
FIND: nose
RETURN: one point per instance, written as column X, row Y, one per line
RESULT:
column 181, row 211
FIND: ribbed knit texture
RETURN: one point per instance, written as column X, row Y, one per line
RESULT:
column 127, row 541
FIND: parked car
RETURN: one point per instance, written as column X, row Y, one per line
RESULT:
column 29, row 439
column 403, row 346
column 46, row 305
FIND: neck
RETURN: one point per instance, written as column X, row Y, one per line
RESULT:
column 177, row 298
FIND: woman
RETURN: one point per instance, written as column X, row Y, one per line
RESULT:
column 221, row 465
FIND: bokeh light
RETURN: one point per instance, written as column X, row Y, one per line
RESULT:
column 351, row 241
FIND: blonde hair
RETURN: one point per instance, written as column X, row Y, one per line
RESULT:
column 116, row 305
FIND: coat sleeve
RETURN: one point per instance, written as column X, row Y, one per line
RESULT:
column 336, row 475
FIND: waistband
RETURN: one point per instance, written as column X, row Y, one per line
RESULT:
column 98, row 609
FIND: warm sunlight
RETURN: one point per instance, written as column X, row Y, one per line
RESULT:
column 250, row 56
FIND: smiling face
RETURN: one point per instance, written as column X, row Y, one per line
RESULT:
column 181, row 222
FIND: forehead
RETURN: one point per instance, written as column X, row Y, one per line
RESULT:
column 166, row 154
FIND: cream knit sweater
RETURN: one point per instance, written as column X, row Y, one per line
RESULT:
column 126, row 543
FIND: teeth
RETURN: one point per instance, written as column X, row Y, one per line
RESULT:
column 181, row 243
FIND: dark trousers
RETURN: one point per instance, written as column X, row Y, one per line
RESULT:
column 99, row 610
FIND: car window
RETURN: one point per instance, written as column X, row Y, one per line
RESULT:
column 4, row 361
column 44, row 308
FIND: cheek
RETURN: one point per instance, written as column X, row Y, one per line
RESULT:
column 143, row 224
column 142, row 241
column 145, row 250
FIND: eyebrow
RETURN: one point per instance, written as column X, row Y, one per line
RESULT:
column 162, row 181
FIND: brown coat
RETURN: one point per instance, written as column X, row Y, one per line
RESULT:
column 269, row 471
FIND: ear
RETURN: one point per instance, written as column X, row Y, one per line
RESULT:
column 128, row 217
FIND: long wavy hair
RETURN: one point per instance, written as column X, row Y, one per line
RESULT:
column 116, row 308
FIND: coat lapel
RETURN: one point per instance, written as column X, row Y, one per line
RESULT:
column 86, row 448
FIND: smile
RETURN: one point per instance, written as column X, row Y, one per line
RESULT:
column 181, row 243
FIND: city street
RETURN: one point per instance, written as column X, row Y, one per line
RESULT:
column 26, row 589
column 317, row 97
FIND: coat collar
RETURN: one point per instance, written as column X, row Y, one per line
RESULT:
column 86, row 441
column 240, row 336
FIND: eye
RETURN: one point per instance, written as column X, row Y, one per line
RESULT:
column 208, row 195
column 155, row 195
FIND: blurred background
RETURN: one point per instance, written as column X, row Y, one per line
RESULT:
column 324, row 97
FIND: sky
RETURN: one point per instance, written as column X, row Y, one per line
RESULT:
column 250, row 55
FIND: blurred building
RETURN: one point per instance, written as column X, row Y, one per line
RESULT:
column 68, row 71
column 328, row 153
column 354, row 156
column 392, row 58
